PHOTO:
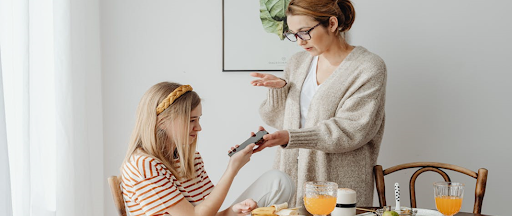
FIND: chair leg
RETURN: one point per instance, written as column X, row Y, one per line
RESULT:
column 481, row 183
column 379, row 184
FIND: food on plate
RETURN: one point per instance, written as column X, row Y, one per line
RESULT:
column 404, row 211
column 264, row 211
column 390, row 213
column 286, row 212
column 275, row 210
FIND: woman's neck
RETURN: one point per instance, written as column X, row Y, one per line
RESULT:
column 336, row 53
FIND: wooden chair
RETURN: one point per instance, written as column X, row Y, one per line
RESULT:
column 481, row 180
column 115, row 188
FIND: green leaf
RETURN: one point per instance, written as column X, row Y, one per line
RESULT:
column 272, row 15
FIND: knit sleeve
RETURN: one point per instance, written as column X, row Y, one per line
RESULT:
column 273, row 107
column 356, row 121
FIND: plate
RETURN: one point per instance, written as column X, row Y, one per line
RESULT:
column 421, row 212
column 428, row 212
column 366, row 214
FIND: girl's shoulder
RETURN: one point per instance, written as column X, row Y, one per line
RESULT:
column 144, row 166
column 143, row 159
column 198, row 158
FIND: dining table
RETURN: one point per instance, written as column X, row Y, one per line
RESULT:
column 359, row 211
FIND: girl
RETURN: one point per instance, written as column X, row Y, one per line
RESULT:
column 163, row 173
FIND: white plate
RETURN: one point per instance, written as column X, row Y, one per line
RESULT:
column 366, row 214
column 428, row 212
column 421, row 212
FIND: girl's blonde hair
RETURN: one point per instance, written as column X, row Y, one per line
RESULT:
column 150, row 138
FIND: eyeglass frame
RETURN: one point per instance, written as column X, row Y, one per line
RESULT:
column 297, row 34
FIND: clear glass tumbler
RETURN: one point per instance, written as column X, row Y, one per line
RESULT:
column 448, row 197
column 320, row 197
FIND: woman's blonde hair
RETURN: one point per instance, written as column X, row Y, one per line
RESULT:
column 150, row 138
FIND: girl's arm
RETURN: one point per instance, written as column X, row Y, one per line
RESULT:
column 211, row 205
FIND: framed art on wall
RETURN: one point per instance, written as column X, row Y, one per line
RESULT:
column 252, row 36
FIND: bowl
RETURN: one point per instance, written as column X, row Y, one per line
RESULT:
column 404, row 211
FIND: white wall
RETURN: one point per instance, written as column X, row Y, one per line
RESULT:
column 448, row 89
column 448, row 66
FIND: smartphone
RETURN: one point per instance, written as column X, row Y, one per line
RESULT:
column 257, row 139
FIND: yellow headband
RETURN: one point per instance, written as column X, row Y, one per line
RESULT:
column 172, row 97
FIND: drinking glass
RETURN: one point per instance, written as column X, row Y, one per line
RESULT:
column 448, row 197
column 320, row 197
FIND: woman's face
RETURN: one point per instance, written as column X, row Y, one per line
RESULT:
column 321, row 38
column 194, row 126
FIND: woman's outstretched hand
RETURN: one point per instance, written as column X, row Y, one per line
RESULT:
column 245, row 207
column 274, row 139
column 267, row 80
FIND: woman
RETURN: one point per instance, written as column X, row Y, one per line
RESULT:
column 163, row 173
column 329, row 106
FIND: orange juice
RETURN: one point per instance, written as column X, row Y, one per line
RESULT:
column 448, row 205
column 320, row 204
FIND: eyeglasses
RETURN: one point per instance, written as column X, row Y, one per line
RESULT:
column 303, row 35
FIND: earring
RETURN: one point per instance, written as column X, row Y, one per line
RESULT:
column 339, row 28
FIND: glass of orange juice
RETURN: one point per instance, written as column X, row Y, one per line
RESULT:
column 320, row 197
column 448, row 197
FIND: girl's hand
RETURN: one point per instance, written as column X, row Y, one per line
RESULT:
column 274, row 139
column 245, row 207
column 238, row 160
column 267, row 80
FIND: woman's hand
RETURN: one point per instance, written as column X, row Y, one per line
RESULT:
column 274, row 139
column 244, row 207
column 267, row 80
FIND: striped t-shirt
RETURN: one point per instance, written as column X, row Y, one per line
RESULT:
column 149, row 188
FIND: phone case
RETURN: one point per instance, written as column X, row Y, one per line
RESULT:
column 257, row 139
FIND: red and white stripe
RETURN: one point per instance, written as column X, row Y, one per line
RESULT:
column 149, row 188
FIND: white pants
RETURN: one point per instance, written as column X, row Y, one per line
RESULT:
column 273, row 187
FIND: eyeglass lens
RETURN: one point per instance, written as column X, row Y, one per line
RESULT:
column 302, row 35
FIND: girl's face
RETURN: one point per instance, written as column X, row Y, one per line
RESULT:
column 194, row 126
column 321, row 37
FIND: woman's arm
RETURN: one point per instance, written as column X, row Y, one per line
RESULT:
column 211, row 205
column 354, row 123
column 273, row 107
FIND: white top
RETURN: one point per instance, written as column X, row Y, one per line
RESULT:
column 309, row 89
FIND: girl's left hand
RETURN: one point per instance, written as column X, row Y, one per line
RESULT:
column 245, row 207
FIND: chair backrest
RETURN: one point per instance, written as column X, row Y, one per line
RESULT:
column 481, row 180
column 115, row 188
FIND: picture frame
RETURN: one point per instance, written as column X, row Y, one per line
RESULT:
column 246, row 44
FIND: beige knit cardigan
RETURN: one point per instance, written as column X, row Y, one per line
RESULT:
column 341, row 138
